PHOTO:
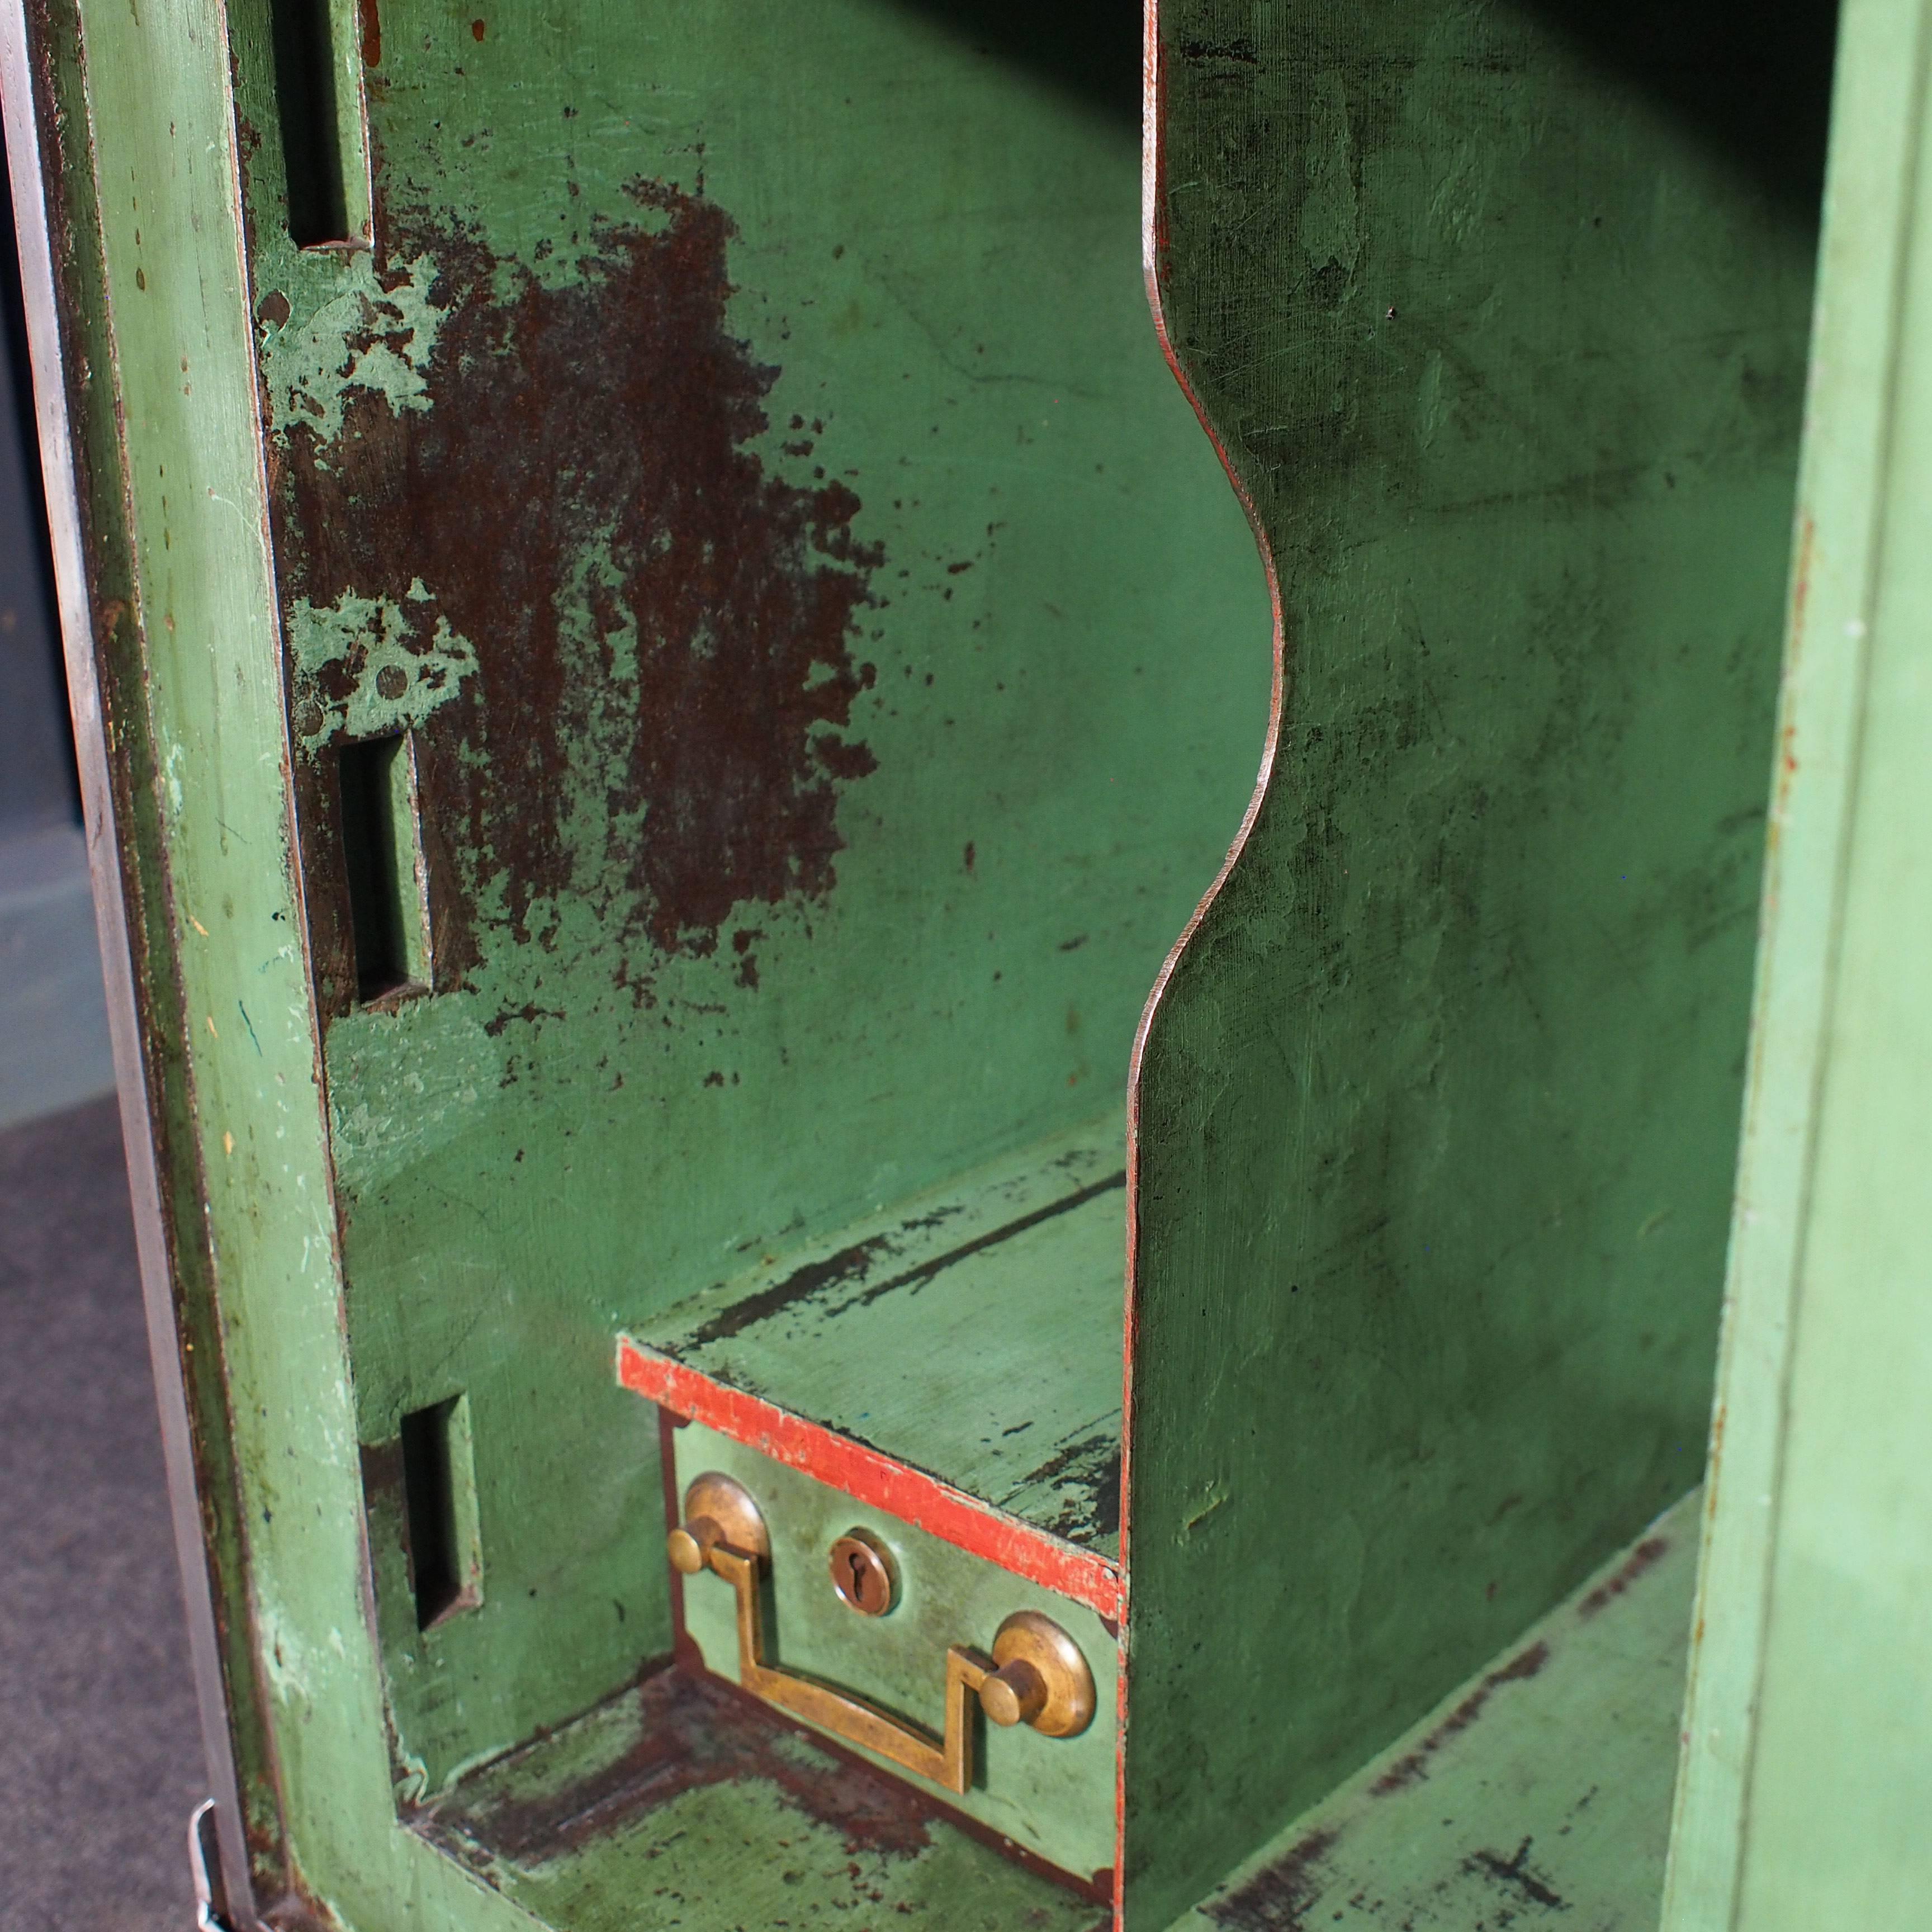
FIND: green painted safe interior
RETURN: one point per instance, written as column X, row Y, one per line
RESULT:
column 675, row 664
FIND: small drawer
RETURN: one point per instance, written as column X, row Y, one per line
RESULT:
column 889, row 1672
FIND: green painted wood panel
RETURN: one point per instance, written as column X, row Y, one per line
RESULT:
column 1805, row 1784
column 1436, row 1113
column 85, row 476
column 200, row 685
column 978, row 693
column 1536, row 1793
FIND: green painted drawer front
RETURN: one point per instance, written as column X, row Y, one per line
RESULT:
column 1053, row 1797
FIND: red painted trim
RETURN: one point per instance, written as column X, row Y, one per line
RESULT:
column 869, row 1478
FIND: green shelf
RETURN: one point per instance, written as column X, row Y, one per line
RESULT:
column 973, row 1334
column 1539, row 1791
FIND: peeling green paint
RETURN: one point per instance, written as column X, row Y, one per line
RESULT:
column 358, row 669
column 352, row 334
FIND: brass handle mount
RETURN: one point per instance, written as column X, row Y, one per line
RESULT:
column 1036, row 1675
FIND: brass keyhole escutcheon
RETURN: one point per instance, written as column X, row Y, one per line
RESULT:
column 864, row 1574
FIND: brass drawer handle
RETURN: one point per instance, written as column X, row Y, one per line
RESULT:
column 1036, row 1675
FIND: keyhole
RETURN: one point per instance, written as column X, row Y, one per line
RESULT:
column 862, row 1574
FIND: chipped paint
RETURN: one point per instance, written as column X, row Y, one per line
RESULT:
column 1538, row 1792
column 360, row 668
column 367, row 339
column 632, row 1802
column 585, row 542
column 887, row 1483
column 1413, row 1766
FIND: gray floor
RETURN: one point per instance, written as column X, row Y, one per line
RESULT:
column 54, row 1050
column 99, row 1759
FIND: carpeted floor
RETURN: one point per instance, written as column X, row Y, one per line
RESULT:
column 99, row 1756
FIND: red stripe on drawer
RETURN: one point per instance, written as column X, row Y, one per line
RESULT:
column 869, row 1478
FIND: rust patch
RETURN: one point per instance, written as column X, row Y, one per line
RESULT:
column 1413, row 1766
column 657, row 726
column 848, row 1264
column 1278, row 1897
column 1514, row 1874
column 695, row 1732
column 1645, row 1556
column 372, row 33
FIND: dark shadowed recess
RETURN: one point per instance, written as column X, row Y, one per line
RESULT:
column 1092, row 48
column 1753, row 77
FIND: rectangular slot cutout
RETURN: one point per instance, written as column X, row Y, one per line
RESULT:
column 381, row 850
column 318, row 101
column 439, row 1503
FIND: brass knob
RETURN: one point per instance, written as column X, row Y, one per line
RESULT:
column 718, row 1514
column 690, row 1545
column 1040, row 1678
column 1015, row 1693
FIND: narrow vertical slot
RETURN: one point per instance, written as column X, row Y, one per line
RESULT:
column 382, row 849
column 440, row 1502
column 319, row 100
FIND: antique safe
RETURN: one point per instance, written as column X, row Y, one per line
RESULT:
column 810, row 1264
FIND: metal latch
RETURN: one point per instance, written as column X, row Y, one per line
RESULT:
column 204, row 1858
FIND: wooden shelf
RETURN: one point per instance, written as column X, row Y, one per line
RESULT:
column 1540, row 1790
column 973, row 1335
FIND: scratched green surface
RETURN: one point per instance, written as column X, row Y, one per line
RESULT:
column 470, row 1192
column 1068, row 629
column 743, row 1853
column 1805, row 1782
column 1029, row 1251
column 1438, row 1116
column 133, row 739
column 1537, row 1792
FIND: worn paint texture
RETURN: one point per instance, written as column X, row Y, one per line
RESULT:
column 788, row 594
column 1537, row 1794
column 1805, row 1782
column 1436, row 1115
column 653, row 1802
column 124, row 739
column 660, row 734
column 1032, row 1245
column 831, row 667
